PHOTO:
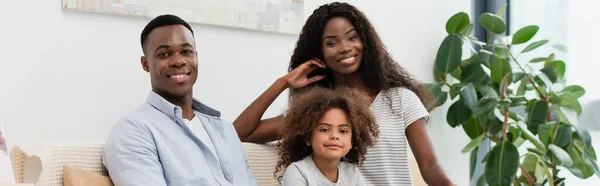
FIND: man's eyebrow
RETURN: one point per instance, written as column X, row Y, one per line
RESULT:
column 161, row 46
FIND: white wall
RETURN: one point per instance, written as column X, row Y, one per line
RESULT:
column 69, row 75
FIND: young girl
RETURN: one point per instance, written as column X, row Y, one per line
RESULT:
column 325, row 136
column 339, row 39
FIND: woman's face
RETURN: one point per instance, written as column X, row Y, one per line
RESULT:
column 332, row 136
column 342, row 47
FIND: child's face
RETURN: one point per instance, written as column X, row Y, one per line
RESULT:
column 332, row 137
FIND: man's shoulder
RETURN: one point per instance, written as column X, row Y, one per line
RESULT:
column 139, row 118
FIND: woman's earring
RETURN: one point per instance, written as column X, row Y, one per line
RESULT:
column 308, row 143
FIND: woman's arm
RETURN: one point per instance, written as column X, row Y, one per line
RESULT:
column 250, row 127
column 419, row 142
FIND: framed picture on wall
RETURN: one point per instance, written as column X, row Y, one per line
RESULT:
column 279, row 16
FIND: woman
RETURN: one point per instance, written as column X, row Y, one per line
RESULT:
column 338, row 39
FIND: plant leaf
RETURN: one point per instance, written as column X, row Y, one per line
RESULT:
column 544, row 132
column 559, row 68
column 473, row 144
column 534, row 45
column 474, row 73
column 560, row 47
column 472, row 128
column 458, row 113
column 449, row 54
column 457, row 22
column 502, row 164
column 539, row 59
column 487, row 92
column 593, row 165
column 484, row 57
column 550, row 73
column 522, row 88
column 469, row 96
column 501, row 52
column 473, row 162
column 569, row 116
column 438, row 76
column 456, row 73
column 504, row 84
column 569, row 99
column 564, row 136
column 531, row 137
column 530, row 163
column 579, row 167
column 499, row 68
column 517, row 76
column 577, row 90
column 484, row 107
column 561, row 155
column 524, row 34
column 467, row 30
column 493, row 23
column 537, row 113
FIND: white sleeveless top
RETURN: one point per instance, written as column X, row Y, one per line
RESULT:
column 387, row 163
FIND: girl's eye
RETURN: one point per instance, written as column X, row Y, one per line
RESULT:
column 344, row 131
column 323, row 130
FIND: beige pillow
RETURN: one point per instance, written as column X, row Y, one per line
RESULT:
column 73, row 176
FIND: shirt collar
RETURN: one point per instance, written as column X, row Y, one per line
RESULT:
column 171, row 110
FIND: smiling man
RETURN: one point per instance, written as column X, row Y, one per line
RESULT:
column 173, row 139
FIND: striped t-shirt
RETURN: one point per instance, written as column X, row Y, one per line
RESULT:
column 387, row 163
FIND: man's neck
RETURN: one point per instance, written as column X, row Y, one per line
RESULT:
column 327, row 167
column 185, row 102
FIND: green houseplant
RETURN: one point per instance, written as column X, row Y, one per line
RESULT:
column 515, row 103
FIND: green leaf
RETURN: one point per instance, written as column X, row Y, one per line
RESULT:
column 457, row 22
column 544, row 132
column 492, row 22
column 495, row 126
column 499, row 68
column 458, row 113
column 438, row 76
column 531, row 137
column 517, row 76
column 537, row 113
column 484, row 107
column 469, row 96
column 505, row 83
column 473, row 144
column 534, row 45
column 539, row 59
column 569, row 116
column 488, row 92
column 560, row 47
column 577, row 90
column 579, row 167
column 501, row 52
column 593, row 165
column 561, row 154
column 474, row 73
column 467, row 30
column 456, row 73
column 472, row 128
column 518, row 100
column 481, row 181
column 449, row 54
column 502, row 164
column 473, row 162
column 440, row 95
column 564, row 136
column 550, row 73
column 569, row 99
column 522, row 88
column 559, row 68
column 591, row 153
column 484, row 57
column 524, row 34
column 530, row 163
column 543, row 79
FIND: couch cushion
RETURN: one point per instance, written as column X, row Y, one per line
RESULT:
column 73, row 176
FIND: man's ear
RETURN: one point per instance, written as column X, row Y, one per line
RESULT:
column 144, row 64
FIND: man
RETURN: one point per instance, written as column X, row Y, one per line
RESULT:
column 173, row 139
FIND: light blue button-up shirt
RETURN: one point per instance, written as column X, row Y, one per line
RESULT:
column 154, row 146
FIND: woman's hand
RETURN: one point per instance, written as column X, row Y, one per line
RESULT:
column 298, row 77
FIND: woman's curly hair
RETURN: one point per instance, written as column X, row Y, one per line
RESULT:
column 307, row 108
column 378, row 70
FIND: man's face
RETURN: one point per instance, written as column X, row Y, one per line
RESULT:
column 171, row 59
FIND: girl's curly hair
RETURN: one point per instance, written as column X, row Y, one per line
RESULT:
column 307, row 108
column 378, row 70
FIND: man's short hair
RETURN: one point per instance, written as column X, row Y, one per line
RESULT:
column 162, row 20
